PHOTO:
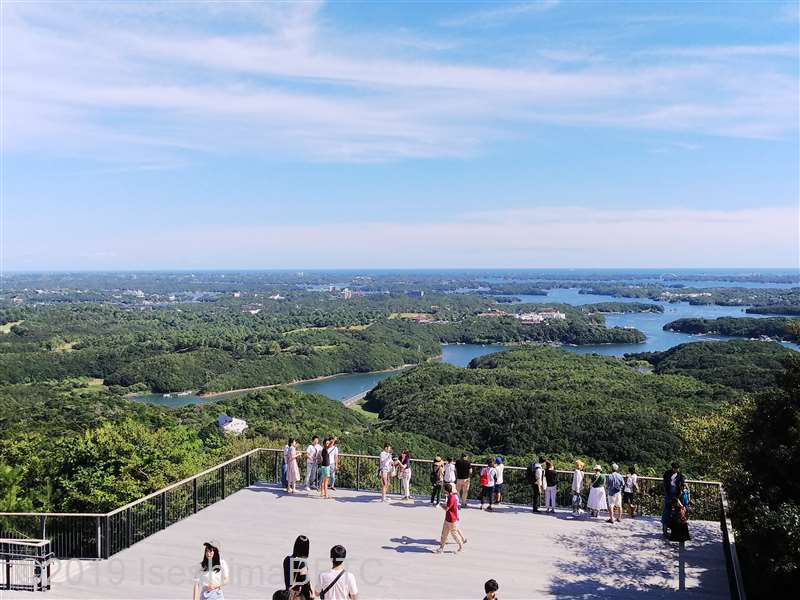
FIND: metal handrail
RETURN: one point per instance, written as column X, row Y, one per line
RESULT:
column 257, row 450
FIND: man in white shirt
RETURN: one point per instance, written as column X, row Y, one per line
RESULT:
column 337, row 584
column 311, row 463
column 333, row 455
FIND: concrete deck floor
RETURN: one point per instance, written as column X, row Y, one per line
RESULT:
column 390, row 551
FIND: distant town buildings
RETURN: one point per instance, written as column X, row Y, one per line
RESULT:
column 415, row 293
column 231, row 425
column 529, row 317
column 237, row 294
column 276, row 297
column 347, row 293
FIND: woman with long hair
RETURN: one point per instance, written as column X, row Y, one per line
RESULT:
column 295, row 570
column 212, row 575
column 292, row 469
column 325, row 468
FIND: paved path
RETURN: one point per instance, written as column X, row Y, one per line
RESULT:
column 389, row 549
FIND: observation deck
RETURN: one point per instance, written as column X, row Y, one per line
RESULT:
column 389, row 549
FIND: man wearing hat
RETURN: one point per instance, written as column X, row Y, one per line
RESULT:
column 337, row 584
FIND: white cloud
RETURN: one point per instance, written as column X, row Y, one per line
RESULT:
column 121, row 81
column 548, row 236
column 501, row 13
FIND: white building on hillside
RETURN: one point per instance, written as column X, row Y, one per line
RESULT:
column 232, row 425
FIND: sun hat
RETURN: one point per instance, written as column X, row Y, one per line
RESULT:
column 615, row 467
column 597, row 468
column 498, row 460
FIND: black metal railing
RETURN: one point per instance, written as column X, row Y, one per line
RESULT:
column 100, row 535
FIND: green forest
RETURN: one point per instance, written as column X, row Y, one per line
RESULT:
column 747, row 327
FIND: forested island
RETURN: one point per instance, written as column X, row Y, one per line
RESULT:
column 746, row 327
column 789, row 310
column 723, row 296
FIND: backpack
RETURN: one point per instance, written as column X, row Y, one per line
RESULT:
column 485, row 477
column 530, row 474
column 615, row 483
column 434, row 474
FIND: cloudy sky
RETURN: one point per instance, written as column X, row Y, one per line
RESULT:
column 143, row 135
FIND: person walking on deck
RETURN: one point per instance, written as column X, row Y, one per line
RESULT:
column 551, row 480
column 437, row 479
column 614, row 483
column 577, row 487
column 488, row 480
column 463, row 474
column 597, row 492
column 451, row 527
column 311, row 463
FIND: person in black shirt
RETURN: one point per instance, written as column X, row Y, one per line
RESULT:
column 463, row 473
column 673, row 485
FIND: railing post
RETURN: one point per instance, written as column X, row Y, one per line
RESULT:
column 222, row 480
column 358, row 472
column 163, row 510
column 129, row 527
column 247, row 478
column 99, row 537
column 195, row 499
column 42, row 528
column 108, row 537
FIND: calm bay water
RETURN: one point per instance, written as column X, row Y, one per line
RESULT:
column 342, row 387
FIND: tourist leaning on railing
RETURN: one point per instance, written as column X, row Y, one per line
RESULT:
column 385, row 469
column 630, row 491
column 437, row 479
column 498, row 485
column 597, row 492
column 673, row 481
column 577, row 487
column 551, row 480
column 614, row 483
column 488, row 479
column 333, row 451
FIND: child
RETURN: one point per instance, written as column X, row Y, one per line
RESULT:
column 488, row 481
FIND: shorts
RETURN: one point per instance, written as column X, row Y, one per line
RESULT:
column 629, row 498
column 498, row 488
column 615, row 500
column 325, row 471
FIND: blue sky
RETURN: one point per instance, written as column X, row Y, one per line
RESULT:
column 399, row 134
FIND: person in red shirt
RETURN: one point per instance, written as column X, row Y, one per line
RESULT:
column 450, row 527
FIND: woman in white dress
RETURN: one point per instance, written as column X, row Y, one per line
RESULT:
column 292, row 470
column 212, row 575
column 597, row 492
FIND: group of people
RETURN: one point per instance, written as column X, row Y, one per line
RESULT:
column 335, row 583
column 322, row 461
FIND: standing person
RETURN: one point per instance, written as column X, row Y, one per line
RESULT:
column 385, row 467
column 450, row 472
column 295, row 570
column 337, row 584
column 551, row 479
column 212, row 575
column 673, row 481
column 490, row 588
column 577, row 487
column 405, row 473
column 311, row 464
column 463, row 474
column 629, row 492
column 498, row 485
column 324, row 460
column 535, row 476
column 284, row 479
column 615, row 484
column 450, row 527
column 292, row 469
column 333, row 452
column 437, row 479
column 679, row 522
column 685, row 496
column 597, row 492
column 488, row 479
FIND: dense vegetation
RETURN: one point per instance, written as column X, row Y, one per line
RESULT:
column 237, row 343
column 621, row 307
column 789, row 310
column 725, row 296
column 776, row 328
column 550, row 401
column 742, row 364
